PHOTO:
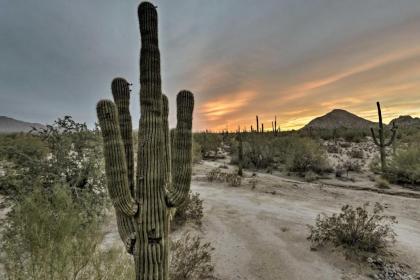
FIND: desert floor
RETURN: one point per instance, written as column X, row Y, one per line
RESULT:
column 261, row 233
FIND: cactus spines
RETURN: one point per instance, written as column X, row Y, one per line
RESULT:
column 143, row 205
column 381, row 143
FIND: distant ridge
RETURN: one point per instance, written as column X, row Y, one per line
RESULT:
column 339, row 118
column 10, row 125
column 406, row 121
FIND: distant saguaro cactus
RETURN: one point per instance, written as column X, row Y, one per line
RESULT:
column 258, row 125
column 164, row 160
column 275, row 124
column 381, row 143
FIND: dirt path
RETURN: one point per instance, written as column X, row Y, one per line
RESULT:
column 259, row 235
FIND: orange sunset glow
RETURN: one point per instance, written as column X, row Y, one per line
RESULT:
column 293, row 59
column 374, row 64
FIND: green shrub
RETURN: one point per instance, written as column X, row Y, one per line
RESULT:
column 356, row 153
column 233, row 180
column 382, row 183
column 404, row 167
column 191, row 259
column 196, row 152
column 351, row 165
column 48, row 235
column 191, row 210
column 64, row 153
column 310, row 176
column 208, row 143
column 216, row 175
column 356, row 229
column 22, row 147
column 257, row 151
column 333, row 149
column 307, row 155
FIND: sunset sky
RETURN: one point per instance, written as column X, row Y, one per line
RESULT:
column 297, row 59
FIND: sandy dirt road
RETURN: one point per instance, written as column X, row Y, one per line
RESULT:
column 261, row 233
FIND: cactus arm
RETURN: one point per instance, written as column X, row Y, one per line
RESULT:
column 115, row 166
column 378, row 106
column 121, row 93
column 374, row 137
column 181, row 151
column 166, row 140
column 394, row 134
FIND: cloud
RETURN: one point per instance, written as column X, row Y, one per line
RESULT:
column 294, row 59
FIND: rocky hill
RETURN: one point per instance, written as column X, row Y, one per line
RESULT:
column 339, row 118
column 9, row 125
column 406, row 121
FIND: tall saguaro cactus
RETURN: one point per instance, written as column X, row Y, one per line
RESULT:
column 381, row 143
column 258, row 125
column 163, row 176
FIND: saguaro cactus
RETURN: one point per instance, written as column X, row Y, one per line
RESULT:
column 258, row 125
column 275, row 124
column 381, row 143
column 142, row 205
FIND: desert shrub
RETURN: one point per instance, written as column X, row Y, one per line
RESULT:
column 355, row 228
column 233, row 180
column 356, row 153
column 20, row 147
column 196, row 152
column 264, row 151
column 73, row 158
column 48, row 235
column 191, row 259
column 339, row 172
column 310, row 176
column 208, row 143
column 215, row 175
column 352, row 165
column 253, row 182
column 307, row 155
column 350, row 135
column 191, row 210
column 375, row 164
column 345, row 145
column 333, row 149
column 404, row 167
column 257, row 152
column 355, row 135
column 382, row 183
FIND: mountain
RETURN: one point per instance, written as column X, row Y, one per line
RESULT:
column 406, row 121
column 339, row 118
column 9, row 125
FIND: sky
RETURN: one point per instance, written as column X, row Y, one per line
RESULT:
column 294, row 59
